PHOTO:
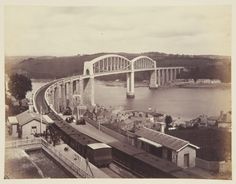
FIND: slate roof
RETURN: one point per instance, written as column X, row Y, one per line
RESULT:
column 26, row 117
column 12, row 120
column 165, row 140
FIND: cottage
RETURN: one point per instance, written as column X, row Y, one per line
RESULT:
column 212, row 120
column 178, row 123
column 168, row 147
column 202, row 120
column 224, row 120
column 203, row 81
column 27, row 124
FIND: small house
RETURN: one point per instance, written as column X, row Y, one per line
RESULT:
column 224, row 120
column 173, row 149
column 27, row 124
column 178, row 123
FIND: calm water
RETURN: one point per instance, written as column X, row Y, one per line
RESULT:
column 179, row 102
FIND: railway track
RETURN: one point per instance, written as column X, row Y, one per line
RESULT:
column 124, row 171
column 116, row 169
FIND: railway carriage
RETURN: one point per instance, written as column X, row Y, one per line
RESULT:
column 98, row 153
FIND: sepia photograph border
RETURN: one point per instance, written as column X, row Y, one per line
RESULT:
column 141, row 3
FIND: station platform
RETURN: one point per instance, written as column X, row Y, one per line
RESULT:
column 93, row 132
column 79, row 162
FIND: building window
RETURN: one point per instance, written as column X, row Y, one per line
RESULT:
column 33, row 130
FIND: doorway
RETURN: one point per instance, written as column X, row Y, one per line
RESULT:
column 186, row 160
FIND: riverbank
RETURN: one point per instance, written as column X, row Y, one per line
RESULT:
column 197, row 85
column 170, row 85
column 123, row 84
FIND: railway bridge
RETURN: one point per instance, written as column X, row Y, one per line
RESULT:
column 75, row 90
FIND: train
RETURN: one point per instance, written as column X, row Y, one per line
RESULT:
column 99, row 154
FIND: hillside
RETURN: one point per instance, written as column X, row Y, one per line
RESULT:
column 51, row 67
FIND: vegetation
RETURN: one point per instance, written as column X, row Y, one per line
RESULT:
column 222, row 73
column 168, row 121
column 12, row 109
column 40, row 67
column 19, row 85
column 215, row 144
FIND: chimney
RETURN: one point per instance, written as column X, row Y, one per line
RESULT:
column 30, row 104
column 162, row 129
column 221, row 114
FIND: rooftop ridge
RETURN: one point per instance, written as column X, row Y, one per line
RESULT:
column 167, row 135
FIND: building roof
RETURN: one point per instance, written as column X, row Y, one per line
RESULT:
column 150, row 142
column 27, row 116
column 48, row 119
column 98, row 145
column 12, row 120
column 163, row 139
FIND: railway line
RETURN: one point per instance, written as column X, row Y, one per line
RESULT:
column 117, row 170
column 127, row 161
column 114, row 169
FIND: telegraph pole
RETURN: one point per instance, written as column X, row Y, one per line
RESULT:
column 41, row 118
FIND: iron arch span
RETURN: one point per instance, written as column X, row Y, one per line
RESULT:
column 61, row 93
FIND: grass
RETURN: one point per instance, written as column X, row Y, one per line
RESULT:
column 215, row 144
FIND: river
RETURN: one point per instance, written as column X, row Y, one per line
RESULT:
column 186, row 103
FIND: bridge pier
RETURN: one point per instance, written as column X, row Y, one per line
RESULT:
column 88, row 91
column 63, row 96
column 130, row 85
column 56, row 101
column 171, row 74
column 174, row 74
column 153, row 80
column 71, row 94
column 158, row 77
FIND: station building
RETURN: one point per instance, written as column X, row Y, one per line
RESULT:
column 173, row 149
column 27, row 124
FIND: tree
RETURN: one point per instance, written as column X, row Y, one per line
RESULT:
column 19, row 85
column 168, row 121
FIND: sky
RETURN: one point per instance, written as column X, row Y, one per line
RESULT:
column 65, row 31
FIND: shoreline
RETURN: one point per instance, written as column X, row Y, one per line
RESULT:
column 142, row 84
column 205, row 86
column 170, row 85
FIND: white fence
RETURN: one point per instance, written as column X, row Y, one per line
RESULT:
column 23, row 142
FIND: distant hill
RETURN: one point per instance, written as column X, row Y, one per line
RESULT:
column 51, row 67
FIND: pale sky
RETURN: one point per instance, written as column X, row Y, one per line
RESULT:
column 61, row 31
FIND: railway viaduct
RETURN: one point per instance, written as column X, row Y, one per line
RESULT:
column 79, row 90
